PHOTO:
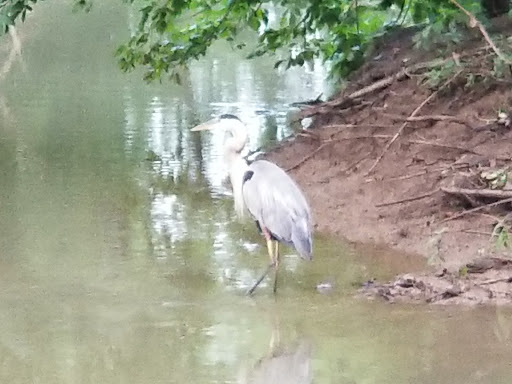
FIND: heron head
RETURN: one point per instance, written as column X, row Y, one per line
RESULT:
column 226, row 121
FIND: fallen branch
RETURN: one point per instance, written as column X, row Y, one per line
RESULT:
column 414, row 113
column 473, row 210
column 448, row 118
column 447, row 146
column 492, row 193
column 332, row 141
column 494, row 281
column 358, row 126
column 424, row 171
column 475, row 232
column 317, row 100
column 355, row 163
column 474, row 22
column 407, row 200
column 378, row 85
column 307, row 157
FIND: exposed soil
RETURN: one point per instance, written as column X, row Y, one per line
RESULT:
column 433, row 162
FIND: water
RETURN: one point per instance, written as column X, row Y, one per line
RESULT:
column 121, row 261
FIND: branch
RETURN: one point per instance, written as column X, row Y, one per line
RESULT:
column 494, row 281
column 328, row 142
column 407, row 200
column 473, row 210
column 430, row 118
column 378, row 85
column 342, row 126
column 307, row 157
column 492, row 193
column 447, row 146
column 474, row 22
column 414, row 113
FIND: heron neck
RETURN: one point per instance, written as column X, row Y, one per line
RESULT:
column 239, row 137
column 237, row 168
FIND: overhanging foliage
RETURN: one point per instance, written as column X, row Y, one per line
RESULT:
column 171, row 33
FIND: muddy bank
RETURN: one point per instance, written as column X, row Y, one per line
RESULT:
column 420, row 164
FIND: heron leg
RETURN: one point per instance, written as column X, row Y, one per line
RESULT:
column 276, row 264
column 271, row 265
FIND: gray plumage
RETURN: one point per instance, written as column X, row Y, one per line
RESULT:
column 277, row 203
column 268, row 193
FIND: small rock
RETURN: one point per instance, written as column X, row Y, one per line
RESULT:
column 441, row 272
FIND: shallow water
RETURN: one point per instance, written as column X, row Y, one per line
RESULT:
column 121, row 261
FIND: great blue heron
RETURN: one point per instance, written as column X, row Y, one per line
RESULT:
column 274, row 200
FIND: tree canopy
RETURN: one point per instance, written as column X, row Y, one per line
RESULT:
column 171, row 33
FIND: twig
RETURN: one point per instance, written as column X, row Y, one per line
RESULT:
column 463, row 149
column 430, row 118
column 424, row 171
column 473, row 210
column 474, row 22
column 474, row 232
column 359, row 126
column 494, row 281
column 408, row 199
column 307, row 157
column 499, row 194
column 414, row 113
column 354, row 163
column 331, row 141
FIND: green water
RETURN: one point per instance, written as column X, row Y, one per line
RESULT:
column 116, row 268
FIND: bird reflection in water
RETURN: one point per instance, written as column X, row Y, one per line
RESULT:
column 290, row 365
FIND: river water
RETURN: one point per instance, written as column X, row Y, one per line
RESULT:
column 121, row 261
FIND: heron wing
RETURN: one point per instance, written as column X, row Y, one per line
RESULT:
column 275, row 200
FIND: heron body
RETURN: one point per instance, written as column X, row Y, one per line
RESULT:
column 268, row 193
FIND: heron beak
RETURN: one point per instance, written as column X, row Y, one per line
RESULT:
column 205, row 126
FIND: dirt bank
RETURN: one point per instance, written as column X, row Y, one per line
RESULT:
column 415, row 193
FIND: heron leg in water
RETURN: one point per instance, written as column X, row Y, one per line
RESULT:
column 272, row 264
column 276, row 264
